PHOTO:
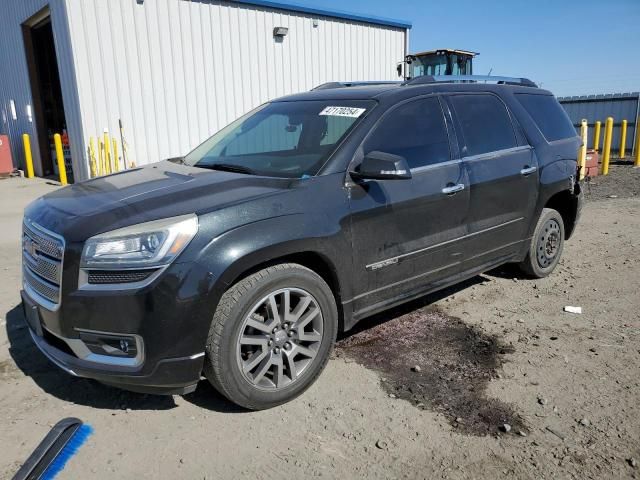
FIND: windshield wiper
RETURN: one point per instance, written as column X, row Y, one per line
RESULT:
column 228, row 167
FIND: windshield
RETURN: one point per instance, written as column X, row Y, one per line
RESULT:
column 281, row 139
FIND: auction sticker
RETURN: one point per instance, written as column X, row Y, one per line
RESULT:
column 343, row 111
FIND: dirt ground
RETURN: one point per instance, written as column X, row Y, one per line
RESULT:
column 623, row 181
column 488, row 379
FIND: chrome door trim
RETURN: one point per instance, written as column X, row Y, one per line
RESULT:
column 497, row 153
column 434, row 166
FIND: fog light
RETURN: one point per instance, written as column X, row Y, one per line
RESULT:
column 110, row 344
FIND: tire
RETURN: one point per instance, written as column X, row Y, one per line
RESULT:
column 242, row 333
column 546, row 245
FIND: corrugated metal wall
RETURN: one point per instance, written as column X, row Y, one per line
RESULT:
column 620, row 106
column 175, row 71
column 14, row 76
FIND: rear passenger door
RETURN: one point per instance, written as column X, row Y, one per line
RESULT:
column 503, row 177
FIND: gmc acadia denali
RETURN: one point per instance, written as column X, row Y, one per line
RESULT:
column 243, row 260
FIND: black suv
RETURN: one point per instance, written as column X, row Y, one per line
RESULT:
column 245, row 258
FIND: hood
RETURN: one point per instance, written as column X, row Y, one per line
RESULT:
column 155, row 191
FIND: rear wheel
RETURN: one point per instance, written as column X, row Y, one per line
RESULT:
column 546, row 245
column 271, row 336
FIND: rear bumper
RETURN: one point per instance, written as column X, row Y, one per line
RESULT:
column 578, row 202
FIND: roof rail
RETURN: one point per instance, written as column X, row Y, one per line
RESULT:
column 328, row 85
column 470, row 78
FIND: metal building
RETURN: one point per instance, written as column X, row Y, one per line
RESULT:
column 620, row 106
column 173, row 71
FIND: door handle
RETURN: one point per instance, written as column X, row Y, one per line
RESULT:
column 451, row 189
column 528, row 170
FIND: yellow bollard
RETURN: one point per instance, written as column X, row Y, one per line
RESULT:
column 596, row 136
column 92, row 157
column 582, row 154
column 28, row 159
column 623, row 138
column 107, row 154
column 606, row 150
column 62, row 170
column 636, row 152
column 115, row 156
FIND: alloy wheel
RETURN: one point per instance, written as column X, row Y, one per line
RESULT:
column 279, row 338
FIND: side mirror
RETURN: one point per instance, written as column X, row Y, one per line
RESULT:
column 382, row 166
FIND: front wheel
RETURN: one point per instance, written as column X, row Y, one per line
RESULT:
column 546, row 245
column 271, row 336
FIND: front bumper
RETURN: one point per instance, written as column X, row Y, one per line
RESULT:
column 169, row 317
column 170, row 377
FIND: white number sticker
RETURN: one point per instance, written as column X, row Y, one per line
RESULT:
column 343, row 111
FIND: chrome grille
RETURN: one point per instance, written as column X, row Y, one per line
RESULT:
column 42, row 255
column 42, row 287
column 48, row 269
column 48, row 242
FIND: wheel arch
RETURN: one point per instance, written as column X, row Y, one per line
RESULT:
column 567, row 204
column 313, row 260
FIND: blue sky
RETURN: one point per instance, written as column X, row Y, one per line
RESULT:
column 572, row 47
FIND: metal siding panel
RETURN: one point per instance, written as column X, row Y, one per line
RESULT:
column 208, row 71
column 160, row 92
column 317, row 11
column 136, row 129
column 599, row 107
column 175, row 132
column 188, row 70
column 173, row 54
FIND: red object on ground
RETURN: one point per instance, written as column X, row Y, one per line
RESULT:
column 592, row 165
column 6, row 162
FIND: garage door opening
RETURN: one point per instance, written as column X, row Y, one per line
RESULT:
column 48, row 110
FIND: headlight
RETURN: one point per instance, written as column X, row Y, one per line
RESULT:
column 148, row 244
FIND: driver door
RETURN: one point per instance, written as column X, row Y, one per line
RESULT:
column 405, row 232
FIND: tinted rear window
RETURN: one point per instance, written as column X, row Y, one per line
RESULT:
column 551, row 118
column 485, row 123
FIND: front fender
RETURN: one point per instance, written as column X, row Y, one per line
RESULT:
column 230, row 255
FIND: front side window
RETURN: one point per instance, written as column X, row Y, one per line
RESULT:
column 281, row 139
column 485, row 124
column 415, row 131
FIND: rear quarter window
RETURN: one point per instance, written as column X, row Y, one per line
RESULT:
column 552, row 120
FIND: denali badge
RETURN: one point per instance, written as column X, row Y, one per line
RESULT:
column 382, row 264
